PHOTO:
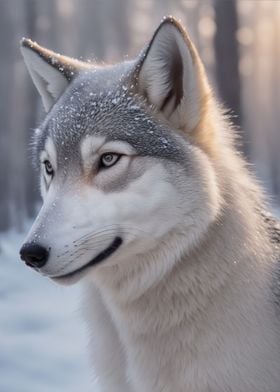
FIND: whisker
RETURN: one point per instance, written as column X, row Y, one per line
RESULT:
column 127, row 230
column 77, row 253
column 113, row 227
column 75, row 250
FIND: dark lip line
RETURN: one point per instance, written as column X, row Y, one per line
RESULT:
column 97, row 259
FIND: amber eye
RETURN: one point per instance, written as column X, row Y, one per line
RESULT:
column 109, row 159
column 48, row 168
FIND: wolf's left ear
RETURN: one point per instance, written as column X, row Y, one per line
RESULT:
column 50, row 72
column 171, row 75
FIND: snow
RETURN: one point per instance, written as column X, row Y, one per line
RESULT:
column 43, row 340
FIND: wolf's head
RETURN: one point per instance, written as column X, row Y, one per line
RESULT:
column 125, row 155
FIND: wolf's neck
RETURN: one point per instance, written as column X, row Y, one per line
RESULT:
column 230, row 259
column 189, row 316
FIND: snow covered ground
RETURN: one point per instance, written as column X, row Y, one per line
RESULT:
column 42, row 336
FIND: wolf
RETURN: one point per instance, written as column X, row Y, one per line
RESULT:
column 148, row 203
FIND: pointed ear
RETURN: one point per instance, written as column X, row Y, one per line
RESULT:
column 50, row 72
column 171, row 76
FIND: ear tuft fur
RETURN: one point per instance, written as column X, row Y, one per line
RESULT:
column 171, row 76
column 50, row 71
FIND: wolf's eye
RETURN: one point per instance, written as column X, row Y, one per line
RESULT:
column 48, row 167
column 109, row 159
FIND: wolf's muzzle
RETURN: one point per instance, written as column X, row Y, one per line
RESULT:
column 106, row 253
column 34, row 255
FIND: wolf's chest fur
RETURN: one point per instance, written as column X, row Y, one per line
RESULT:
column 208, row 325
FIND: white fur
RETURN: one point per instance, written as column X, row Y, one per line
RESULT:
column 199, row 322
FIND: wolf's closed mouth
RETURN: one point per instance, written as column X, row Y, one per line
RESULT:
column 97, row 259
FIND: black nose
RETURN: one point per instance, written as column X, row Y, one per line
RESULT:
column 34, row 255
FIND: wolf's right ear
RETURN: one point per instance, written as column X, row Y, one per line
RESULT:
column 50, row 72
column 171, row 76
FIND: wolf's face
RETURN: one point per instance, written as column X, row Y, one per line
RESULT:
column 120, row 166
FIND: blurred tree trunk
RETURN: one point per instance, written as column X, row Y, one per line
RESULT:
column 92, row 30
column 275, row 145
column 23, row 192
column 227, row 57
column 39, row 18
column 31, row 190
column 40, row 24
column 120, row 34
column 5, row 78
column 19, row 108
column 104, row 41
